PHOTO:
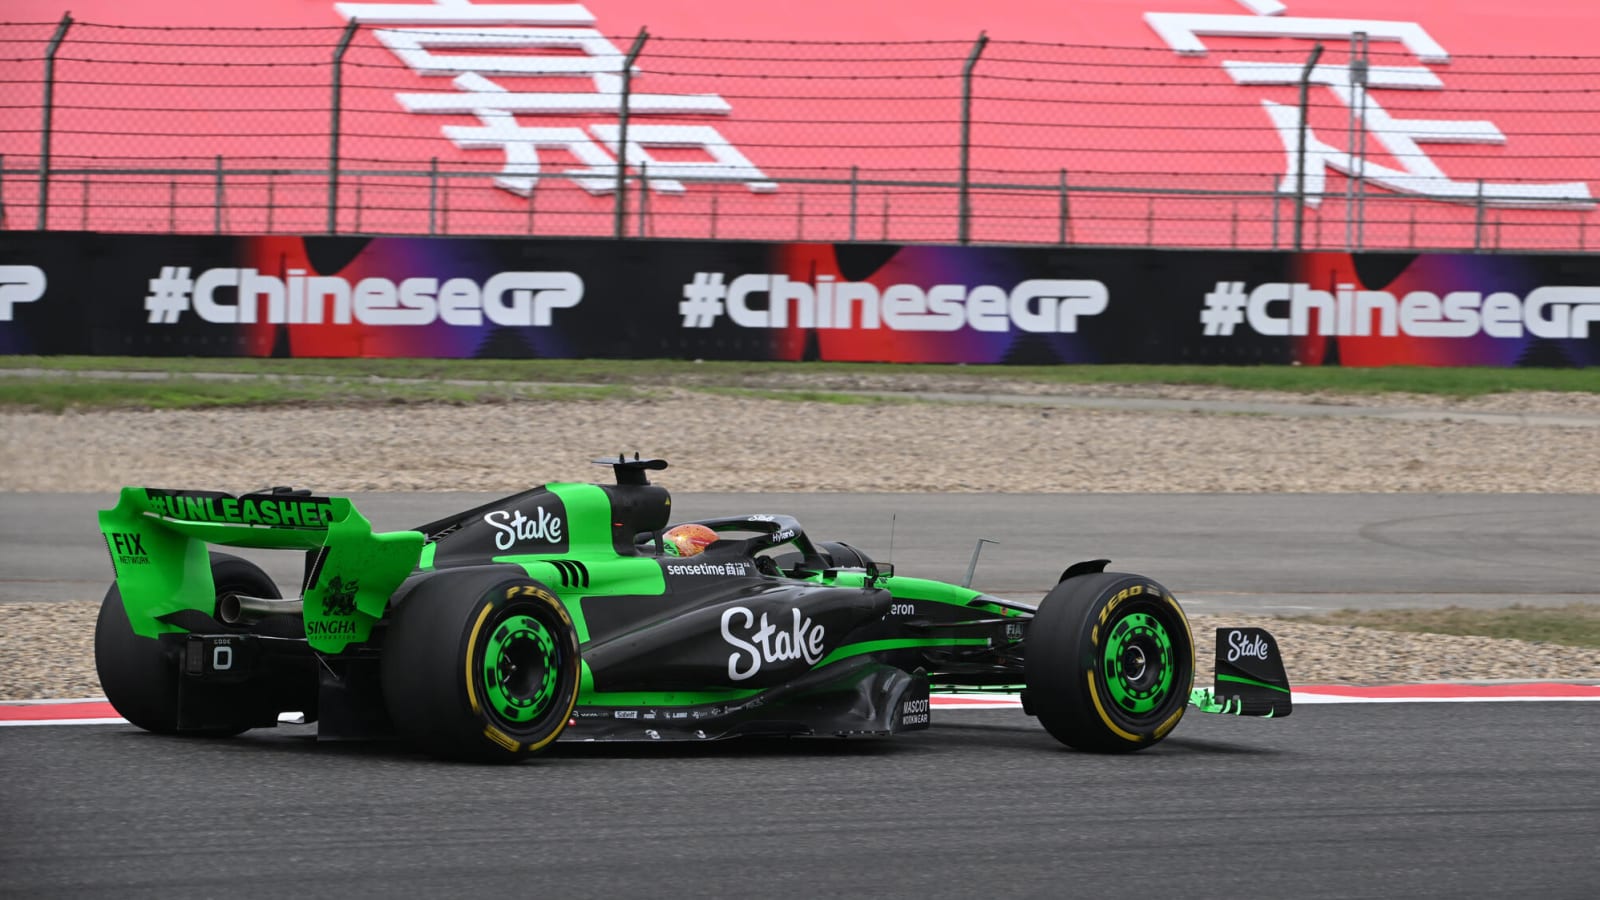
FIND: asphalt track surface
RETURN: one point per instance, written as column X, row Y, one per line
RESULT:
column 1220, row 553
column 1380, row 800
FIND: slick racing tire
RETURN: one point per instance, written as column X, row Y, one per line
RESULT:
column 140, row 675
column 1109, row 662
column 481, row 666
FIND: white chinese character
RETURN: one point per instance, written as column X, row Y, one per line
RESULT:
column 1417, row 173
column 547, row 52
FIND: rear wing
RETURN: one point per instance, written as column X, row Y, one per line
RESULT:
column 159, row 541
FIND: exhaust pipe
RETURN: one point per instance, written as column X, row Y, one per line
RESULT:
column 240, row 609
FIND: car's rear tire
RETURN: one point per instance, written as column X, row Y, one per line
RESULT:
column 1109, row 662
column 481, row 666
column 140, row 675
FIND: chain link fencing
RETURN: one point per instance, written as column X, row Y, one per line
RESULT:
column 408, row 128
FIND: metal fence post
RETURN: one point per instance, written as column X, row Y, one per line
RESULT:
column 1277, row 207
column 216, row 204
column 1358, row 84
column 49, row 113
column 855, row 175
column 1300, row 149
column 644, row 198
column 1361, row 161
column 964, row 214
column 333, row 137
column 1477, row 225
column 1063, row 235
column 433, row 195
column 621, row 211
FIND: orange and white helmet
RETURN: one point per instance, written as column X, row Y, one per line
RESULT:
column 688, row 539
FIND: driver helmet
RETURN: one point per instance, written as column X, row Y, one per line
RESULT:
column 688, row 539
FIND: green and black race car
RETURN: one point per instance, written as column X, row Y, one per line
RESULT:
column 563, row 612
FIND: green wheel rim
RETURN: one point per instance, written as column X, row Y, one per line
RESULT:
column 1139, row 663
column 521, row 664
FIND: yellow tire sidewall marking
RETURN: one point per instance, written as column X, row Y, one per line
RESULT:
column 1094, row 696
column 566, row 716
column 472, row 651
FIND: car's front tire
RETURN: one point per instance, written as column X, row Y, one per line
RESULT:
column 1109, row 662
column 481, row 666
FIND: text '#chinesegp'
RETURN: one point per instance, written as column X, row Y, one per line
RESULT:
column 775, row 301
column 245, row 296
column 1286, row 309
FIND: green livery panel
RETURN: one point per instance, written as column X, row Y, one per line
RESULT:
column 158, row 543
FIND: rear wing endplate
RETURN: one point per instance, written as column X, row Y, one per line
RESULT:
column 158, row 541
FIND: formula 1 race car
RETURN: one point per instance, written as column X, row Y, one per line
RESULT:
column 565, row 612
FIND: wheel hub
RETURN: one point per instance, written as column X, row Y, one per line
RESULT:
column 520, row 668
column 1138, row 663
column 1134, row 662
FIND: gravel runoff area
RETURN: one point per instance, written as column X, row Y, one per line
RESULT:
column 1052, row 438
column 62, row 664
column 1141, row 440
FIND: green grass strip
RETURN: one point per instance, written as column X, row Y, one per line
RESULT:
column 1450, row 381
column 57, row 393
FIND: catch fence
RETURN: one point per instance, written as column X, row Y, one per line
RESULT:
column 394, row 127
